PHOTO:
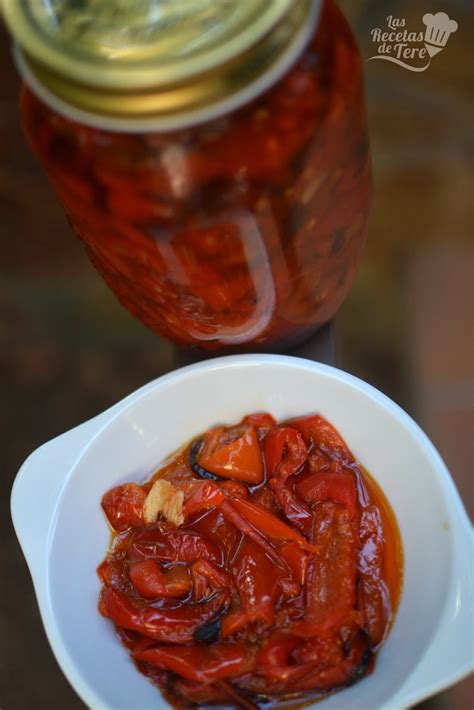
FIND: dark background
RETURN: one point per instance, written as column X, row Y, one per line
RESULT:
column 68, row 351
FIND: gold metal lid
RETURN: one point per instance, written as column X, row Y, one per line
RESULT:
column 129, row 58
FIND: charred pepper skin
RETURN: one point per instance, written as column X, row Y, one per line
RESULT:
column 200, row 470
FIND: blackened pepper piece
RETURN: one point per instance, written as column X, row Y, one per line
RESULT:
column 208, row 633
column 193, row 462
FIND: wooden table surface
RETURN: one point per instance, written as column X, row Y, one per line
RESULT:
column 68, row 351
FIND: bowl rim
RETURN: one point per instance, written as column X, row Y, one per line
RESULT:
column 60, row 456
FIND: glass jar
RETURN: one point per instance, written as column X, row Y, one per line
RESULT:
column 241, row 231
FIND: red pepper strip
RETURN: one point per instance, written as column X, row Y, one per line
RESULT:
column 151, row 582
column 318, row 432
column 198, row 694
column 331, row 578
column 262, row 422
column 276, row 651
column 234, row 516
column 208, row 494
column 233, row 622
column 296, row 559
column 240, row 700
column 134, row 641
column 199, row 663
column 217, row 693
column 276, row 680
column 340, row 617
column 111, row 571
column 132, row 206
column 274, row 660
column 374, row 598
column 338, row 487
column 348, row 671
column 265, row 498
column 200, row 586
column 290, row 588
column 270, row 525
column 216, row 576
column 284, row 451
column 165, row 625
column 171, row 545
column 216, row 529
column 123, row 506
column 234, row 489
column 204, row 496
column 296, row 510
column 323, row 651
column 317, row 461
column 281, row 676
column 257, row 580
column 239, row 458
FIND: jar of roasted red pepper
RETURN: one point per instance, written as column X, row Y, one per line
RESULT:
column 212, row 157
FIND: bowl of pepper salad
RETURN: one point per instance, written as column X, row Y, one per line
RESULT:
column 267, row 531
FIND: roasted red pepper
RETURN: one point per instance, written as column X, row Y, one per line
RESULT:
column 257, row 580
column 204, row 496
column 338, row 487
column 266, row 590
column 291, row 505
column 207, row 575
column 123, row 506
column 172, row 625
column 232, row 454
column 172, row 546
column 276, row 650
column 318, row 432
column 270, row 525
column 233, row 622
column 332, row 573
column 152, row 583
column 285, row 452
column 262, row 422
column 240, row 513
column 296, row 559
column 253, row 533
column 374, row 596
column 203, row 665
column 352, row 667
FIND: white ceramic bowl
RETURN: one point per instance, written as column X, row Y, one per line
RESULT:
column 62, row 530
